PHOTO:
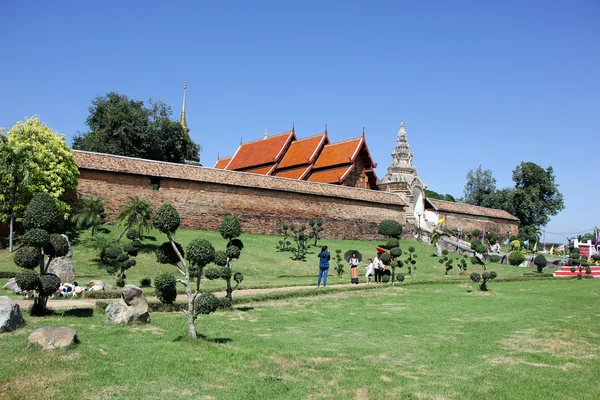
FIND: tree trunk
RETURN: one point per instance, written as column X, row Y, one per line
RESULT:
column 191, row 317
column 10, row 235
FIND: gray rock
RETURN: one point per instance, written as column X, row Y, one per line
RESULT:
column 10, row 315
column 104, row 285
column 63, row 268
column 504, row 260
column 53, row 337
column 12, row 285
column 132, row 308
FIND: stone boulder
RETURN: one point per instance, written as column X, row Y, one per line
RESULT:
column 12, row 285
column 132, row 308
column 102, row 284
column 10, row 315
column 53, row 337
column 63, row 268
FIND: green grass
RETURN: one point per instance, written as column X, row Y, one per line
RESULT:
column 520, row 340
column 260, row 262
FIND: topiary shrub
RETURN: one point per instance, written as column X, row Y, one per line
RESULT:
column 390, row 228
column 133, row 235
column 166, row 288
column 400, row 278
column 232, row 252
column 120, row 282
column 385, row 258
column 225, row 303
column 41, row 213
column 206, row 303
column 36, row 238
column 484, row 278
column 57, row 246
column 165, row 254
column 385, row 278
column 27, row 257
column 166, row 219
column 27, row 279
column 220, row 258
column 516, row 257
column 230, row 228
column 49, row 284
column 411, row 260
column 212, row 272
column 393, row 242
column 540, row 262
column 145, row 282
column 495, row 258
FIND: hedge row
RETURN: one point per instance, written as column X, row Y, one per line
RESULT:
column 7, row 274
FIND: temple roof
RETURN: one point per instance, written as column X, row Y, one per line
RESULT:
column 334, row 175
column 459, row 208
column 261, row 152
column 294, row 173
column 303, row 151
column 341, row 153
column 222, row 162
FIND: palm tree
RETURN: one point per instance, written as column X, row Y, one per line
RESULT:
column 92, row 213
column 437, row 235
column 136, row 215
column 15, row 173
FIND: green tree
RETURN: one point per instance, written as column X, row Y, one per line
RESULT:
column 230, row 230
column 390, row 228
column 91, row 213
column 430, row 194
column 536, row 195
column 42, row 163
column 126, row 127
column 480, row 188
column 136, row 215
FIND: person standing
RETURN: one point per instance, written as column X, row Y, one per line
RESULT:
column 353, row 269
column 324, row 258
column 377, row 268
column 369, row 273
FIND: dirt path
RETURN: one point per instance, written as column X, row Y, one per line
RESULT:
column 90, row 303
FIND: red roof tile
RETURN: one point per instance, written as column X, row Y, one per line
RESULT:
column 338, row 153
column 459, row 208
column 303, row 151
column 222, row 162
column 295, row 173
column 260, row 152
column 266, row 170
column 334, row 175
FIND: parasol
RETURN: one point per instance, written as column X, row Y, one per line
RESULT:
column 348, row 255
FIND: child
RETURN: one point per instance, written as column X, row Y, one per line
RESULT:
column 369, row 273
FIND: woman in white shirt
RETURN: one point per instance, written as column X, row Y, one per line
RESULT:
column 369, row 273
column 353, row 269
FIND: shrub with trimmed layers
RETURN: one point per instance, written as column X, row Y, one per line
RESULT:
column 516, row 257
column 166, row 288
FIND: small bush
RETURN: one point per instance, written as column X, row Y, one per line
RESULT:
column 27, row 279
column 166, row 288
column 27, row 257
column 36, row 237
column 400, row 278
column 120, row 282
column 107, row 294
column 540, row 262
column 396, row 252
column 206, row 303
column 385, row 278
column 200, row 252
column 393, row 242
column 133, row 235
column 165, row 254
column 390, row 228
column 166, row 219
column 475, row 277
column 7, row 274
column 224, row 303
column 41, row 213
column 516, row 257
column 145, row 282
column 225, row 272
column 212, row 272
column 385, row 258
column 101, row 306
column 230, row 227
column 233, row 252
column 220, row 258
column 49, row 284
column 495, row 258
column 57, row 246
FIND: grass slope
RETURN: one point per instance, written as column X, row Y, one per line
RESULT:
column 525, row 340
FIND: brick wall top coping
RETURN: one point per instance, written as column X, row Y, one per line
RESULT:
column 160, row 169
column 467, row 209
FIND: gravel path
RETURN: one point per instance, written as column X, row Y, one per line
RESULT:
column 90, row 303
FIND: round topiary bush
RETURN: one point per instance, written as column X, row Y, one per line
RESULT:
column 393, row 242
column 132, row 235
column 145, row 282
column 27, row 257
column 230, row 227
column 36, row 238
column 390, row 228
column 49, row 284
column 120, row 282
column 475, row 277
column 400, row 278
column 395, row 252
column 516, row 257
column 113, row 252
column 206, row 303
column 479, row 248
column 225, row 272
column 166, row 219
column 27, row 279
column 200, row 252
column 41, row 213
column 233, row 252
column 540, row 262
column 225, row 303
column 166, row 288
column 385, row 258
column 385, row 278
column 220, row 258
column 238, row 277
column 130, row 249
column 57, row 246
column 212, row 272
column 495, row 258
column 165, row 254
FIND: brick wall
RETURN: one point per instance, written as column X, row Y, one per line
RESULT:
column 202, row 205
column 488, row 224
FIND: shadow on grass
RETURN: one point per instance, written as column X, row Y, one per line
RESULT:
column 205, row 338
column 147, row 248
column 79, row 312
column 245, row 309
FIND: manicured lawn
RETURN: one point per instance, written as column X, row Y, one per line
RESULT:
column 520, row 340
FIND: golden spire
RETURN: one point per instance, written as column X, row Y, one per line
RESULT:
column 182, row 120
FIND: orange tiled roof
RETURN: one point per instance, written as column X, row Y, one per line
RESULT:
column 222, row 162
column 261, row 170
column 127, row 165
column 303, row 151
column 342, row 153
column 334, row 175
column 295, row 173
column 459, row 208
column 260, row 152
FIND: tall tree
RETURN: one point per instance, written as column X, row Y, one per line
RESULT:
column 536, row 195
column 480, row 188
column 41, row 162
column 430, row 194
column 121, row 126
column 137, row 215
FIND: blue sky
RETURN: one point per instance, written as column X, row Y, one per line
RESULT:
column 477, row 82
